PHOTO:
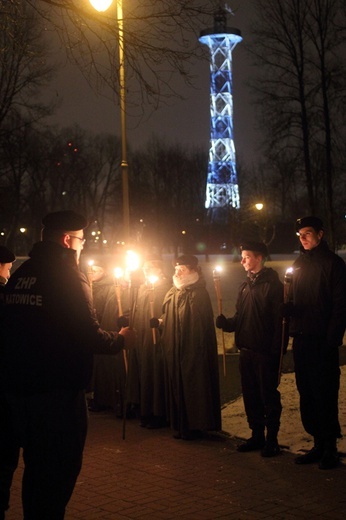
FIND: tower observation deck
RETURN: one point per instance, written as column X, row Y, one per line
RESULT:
column 222, row 191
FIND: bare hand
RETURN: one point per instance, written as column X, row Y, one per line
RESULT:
column 130, row 337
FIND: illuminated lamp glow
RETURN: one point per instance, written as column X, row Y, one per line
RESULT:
column 101, row 5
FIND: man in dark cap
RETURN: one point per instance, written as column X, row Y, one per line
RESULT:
column 317, row 314
column 49, row 335
column 6, row 260
column 257, row 327
column 9, row 447
column 190, row 351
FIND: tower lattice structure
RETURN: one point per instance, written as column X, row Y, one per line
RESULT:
column 222, row 182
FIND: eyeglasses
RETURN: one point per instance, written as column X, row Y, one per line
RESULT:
column 78, row 238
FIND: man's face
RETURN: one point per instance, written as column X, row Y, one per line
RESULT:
column 150, row 269
column 75, row 240
column 181, row 271
column 309, row 237
column 5, row 270
column 251, row 262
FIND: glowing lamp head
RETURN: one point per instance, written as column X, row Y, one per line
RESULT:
column 101, row 5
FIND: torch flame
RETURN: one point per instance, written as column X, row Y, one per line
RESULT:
column 132, row 261
column 118, row 272
column 153, row 279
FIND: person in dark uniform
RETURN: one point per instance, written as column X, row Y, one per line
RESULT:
column 49, row 335
column 317, row 317
column 257, row 327
column 9, row 448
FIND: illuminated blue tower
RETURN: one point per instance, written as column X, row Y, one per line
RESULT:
column 222, row 183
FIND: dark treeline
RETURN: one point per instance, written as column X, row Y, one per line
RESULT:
column 299, row 86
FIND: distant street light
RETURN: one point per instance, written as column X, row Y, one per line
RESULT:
column 103, row 5
column 259, row 206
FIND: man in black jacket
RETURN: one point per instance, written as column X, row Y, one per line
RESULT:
column 317, row 314
column 49, row 335
column 257, row 327
column 9, row 448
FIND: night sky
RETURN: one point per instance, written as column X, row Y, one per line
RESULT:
column 183, row 122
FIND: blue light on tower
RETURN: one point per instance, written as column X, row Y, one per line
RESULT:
column 222, row 182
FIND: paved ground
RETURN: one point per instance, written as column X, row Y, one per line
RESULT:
column 150, row 475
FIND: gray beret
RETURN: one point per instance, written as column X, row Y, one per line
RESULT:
column 6, row 256
column 64, row 221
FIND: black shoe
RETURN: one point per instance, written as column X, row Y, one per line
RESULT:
column 252, row 444
column 314, row 455
column 271, row 449
column 330, row 457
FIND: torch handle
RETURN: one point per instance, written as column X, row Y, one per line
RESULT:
column 118, row 295
column 219, row 304
column 283, row 329
column 152, row 316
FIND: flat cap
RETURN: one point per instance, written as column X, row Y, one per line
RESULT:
column 189, row 260
column 310, row 221
column 257, row 247
column 6, row 256
column 64, row 221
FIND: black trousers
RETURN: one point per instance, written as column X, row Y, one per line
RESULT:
column 9, row 453
column 318, row 379
column 51, row 428
column 259, row 381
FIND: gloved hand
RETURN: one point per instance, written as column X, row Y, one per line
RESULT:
column 286, row 310
column 221, row 321
column 123, row 321
column 154, row 323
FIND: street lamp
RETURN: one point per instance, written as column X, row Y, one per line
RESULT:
column 103, row 5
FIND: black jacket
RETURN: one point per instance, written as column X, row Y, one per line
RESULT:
column 257, row 323
column 49, row 332
column 318, row 293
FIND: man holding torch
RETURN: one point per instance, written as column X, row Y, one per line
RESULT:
column 190, row 353
column 152, row 401
column 49, row 335
column 257, row 327
column 317, row 316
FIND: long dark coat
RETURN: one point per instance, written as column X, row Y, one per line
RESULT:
column 191, row 359
column 109, row 376
column 149, row 355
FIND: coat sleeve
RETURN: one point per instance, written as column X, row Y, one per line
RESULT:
column 81, row 319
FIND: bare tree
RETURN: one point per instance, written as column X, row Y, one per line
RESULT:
column 24, row 66
column 298, row 44
column 160, row 43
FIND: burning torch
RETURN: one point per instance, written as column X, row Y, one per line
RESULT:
column 287, row 283
column 217, row 278
column 132, row 263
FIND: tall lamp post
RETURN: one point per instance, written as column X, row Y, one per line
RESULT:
column 103, row 5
